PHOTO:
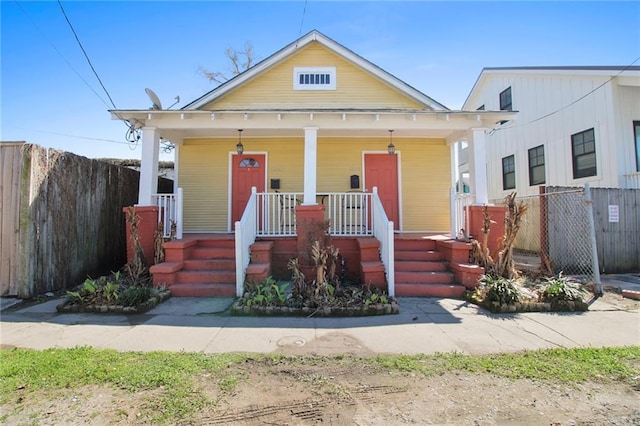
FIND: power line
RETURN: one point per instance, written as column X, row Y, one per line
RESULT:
column 71, row 136
column 570, row 104
column 304, row 12
column 60, row 53
column 85, row 54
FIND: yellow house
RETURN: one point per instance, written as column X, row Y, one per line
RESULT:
column 314, row 129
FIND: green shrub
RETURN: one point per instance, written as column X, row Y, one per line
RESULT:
column 135, row 295
column 499, row 289
column 561, row 289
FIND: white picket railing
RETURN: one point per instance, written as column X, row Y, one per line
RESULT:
column 348, row 213
column 461, row 212
column 170, row 213
column 245, row 231
column 276, row 213
column 383, row 231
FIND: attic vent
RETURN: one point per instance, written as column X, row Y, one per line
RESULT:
column 318, row 78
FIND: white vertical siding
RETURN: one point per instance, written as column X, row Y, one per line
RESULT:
column 609, row 110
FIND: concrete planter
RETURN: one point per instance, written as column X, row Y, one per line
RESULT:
column 351, row 311
column 498, row 308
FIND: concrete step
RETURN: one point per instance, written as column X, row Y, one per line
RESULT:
column 430, row 290
column 418, row 266
column 425, row 255
column 213, row 253
column 440, row 277
column 203, row 290
column 226, row 241
column 210, row 265
column 214, row 277
column 414, row 244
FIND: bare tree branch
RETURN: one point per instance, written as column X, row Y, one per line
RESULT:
column 241, row 60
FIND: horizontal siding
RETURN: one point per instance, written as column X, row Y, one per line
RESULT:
column 424, row 170
column 356, row 88
column 426, row 179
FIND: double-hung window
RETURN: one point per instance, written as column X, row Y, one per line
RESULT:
column 509, row 172
column 583, row 152
column 536, row 166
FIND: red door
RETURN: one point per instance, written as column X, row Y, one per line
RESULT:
column 248, row 171
column 381, row 170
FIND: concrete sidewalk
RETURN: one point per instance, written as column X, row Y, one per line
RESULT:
column 423, row 326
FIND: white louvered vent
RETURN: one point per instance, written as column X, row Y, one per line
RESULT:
column 318, row 78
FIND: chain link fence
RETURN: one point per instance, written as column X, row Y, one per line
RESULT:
column 556, row 236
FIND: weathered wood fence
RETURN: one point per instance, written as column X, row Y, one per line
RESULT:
column 616, row 214
column 61, row 218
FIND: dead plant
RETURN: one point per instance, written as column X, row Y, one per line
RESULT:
column 158, row 240
column 299, row 287
column 136, row 268
column 516, row 210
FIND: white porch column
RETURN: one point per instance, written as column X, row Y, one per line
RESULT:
column 310, row 165
column 149, row 166
column 478, row 166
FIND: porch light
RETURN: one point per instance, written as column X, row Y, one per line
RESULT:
column 391, row 148
column 239, row 146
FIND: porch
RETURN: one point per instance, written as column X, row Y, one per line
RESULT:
column 268, row 236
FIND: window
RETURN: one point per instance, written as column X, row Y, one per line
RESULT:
column 536, row 166
column 249, row 162
column 318, row 78
column 583, row 151
column 636, row 133
column 509, row 172
column 505, row 100
column 480, row 108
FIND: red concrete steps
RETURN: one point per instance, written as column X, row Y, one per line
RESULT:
column 420, row 270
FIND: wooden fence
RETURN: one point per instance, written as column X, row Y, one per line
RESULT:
column 616, row 214
column 61, row 218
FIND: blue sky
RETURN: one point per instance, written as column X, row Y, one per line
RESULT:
column 50, row 97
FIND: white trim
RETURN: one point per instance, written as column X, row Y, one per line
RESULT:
column 310, row 169
column 148, row 184
column 230, row 180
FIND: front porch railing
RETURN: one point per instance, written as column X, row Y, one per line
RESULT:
column 383, row 231
column 462, row 203
column 277, row 213
column 170, row 213
column 245, row 230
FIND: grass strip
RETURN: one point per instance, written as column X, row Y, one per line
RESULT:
column 176, row 373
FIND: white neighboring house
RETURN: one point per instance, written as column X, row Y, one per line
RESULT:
column 575, row 125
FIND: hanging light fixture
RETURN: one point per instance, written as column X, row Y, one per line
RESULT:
column 391, row 148
column 239, row 146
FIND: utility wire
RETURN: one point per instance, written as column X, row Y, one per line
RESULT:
column 570, row 104
column 85, row 54
column 304, row 12
column 60, row 53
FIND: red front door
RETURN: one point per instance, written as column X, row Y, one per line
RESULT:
column 248, row 171
column 381, row 170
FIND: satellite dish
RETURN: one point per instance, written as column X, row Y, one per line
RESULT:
column 155, row 101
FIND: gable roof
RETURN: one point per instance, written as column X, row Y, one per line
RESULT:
column 314, row 36
column 606, row 70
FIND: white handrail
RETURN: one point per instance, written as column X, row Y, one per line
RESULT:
column 462, row 205
column 170, row 212
column 245, row 230
column 383, row 231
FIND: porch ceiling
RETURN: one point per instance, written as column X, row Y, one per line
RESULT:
column 179, row 125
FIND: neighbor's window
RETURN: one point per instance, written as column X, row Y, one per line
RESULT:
column 509, row 172
column 536, row 166
column 505, row 100
column 314, row 78
column 636, row 133
column 480, row 108
column 583, row 151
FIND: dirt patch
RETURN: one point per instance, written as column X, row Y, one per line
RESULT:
column 309, row 394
